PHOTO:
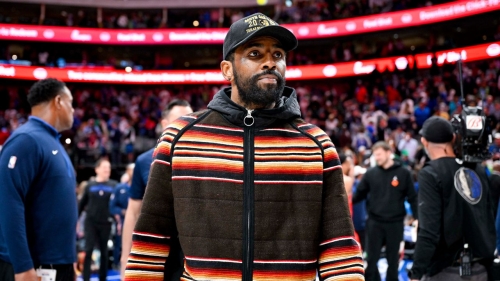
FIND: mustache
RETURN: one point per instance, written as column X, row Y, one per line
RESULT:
column 268, row 72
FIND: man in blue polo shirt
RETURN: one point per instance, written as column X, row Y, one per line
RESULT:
column 174, row 110
column 38, row 212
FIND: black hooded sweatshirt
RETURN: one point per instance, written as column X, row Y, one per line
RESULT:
column 386, row 191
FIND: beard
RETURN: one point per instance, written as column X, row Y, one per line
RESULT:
column 382, row 162
column 251, row 93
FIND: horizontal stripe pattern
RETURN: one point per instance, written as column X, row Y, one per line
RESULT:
column 147, row 258
column 331, row 157
column 206, row 162
column 340, row 259
column 162, row 150
column 263, row 270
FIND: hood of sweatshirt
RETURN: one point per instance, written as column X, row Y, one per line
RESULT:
column 287, row 108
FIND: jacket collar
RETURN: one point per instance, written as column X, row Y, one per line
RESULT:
column 287, row 108
column 46, row 126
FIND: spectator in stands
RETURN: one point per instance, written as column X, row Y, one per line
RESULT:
column 361, row 139
column 409, row 145
column 331, row 124
column 128, row 132
column 422, row 113
column 37, row 187
column 116, row 138
column 97, row 225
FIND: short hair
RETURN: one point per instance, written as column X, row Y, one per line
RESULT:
column 381, row 144
column 99, row 161
column 230, row 56
column 44, row 91
column 171, row 105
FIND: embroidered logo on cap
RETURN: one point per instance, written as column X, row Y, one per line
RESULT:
column 257, row 22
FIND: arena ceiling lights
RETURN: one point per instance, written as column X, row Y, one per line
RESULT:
column 325, row 29
column 310, row 72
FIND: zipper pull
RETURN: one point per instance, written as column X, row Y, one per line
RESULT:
column 249, row 120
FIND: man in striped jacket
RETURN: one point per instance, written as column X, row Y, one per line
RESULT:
column 252, row 191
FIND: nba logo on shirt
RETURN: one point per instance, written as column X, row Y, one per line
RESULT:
column 395, row 181
column 12, row 162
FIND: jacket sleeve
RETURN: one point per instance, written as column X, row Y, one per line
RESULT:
column 429, row 224
column 19, row 167
column 114, row 204
column 156, row 223
column 362, row 189
column 339, row 254
column 84, row 200
column 411, row 195
column 138, row 185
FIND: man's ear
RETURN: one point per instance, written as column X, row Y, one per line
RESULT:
column 227, row 70
column 57, row 101
column 423, row 141
column 164, row 123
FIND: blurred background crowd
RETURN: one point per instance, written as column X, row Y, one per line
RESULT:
column 120, row 122
column 283, row 12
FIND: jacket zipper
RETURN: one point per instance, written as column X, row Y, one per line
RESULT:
column 248, row 198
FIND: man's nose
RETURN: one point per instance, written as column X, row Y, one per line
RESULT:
column 269, row 62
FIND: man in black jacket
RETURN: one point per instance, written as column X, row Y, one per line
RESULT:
column 98, row 221
column 388, row 185
column 455, row 209
column 495, row 185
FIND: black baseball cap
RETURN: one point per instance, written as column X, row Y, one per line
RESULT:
column 255, row 25
column 437, row 130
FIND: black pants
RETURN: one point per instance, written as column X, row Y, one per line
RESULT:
column 174, row 267
column 99, row 233
column 378, row 234
column 362, row 238
column 6, row 271
column 64, row 272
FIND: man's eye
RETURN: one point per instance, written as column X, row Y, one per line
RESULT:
column 253, row 53
column 278, row 55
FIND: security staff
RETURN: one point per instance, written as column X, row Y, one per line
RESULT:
column 385, row 187
column 97, row 224
column 455, row 212
column 37, row 191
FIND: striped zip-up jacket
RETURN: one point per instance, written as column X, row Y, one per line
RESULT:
column 259, row 202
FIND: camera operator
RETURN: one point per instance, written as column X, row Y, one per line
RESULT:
column 455, row 210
